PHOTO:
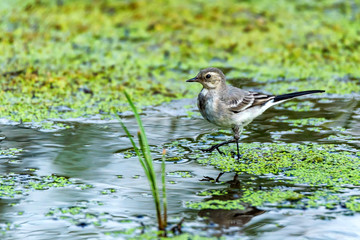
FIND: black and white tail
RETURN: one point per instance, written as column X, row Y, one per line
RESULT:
column 284, row 97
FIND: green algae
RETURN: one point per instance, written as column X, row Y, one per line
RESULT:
column 155, row 235
column 108, row 191
column 313, row 164
column 303, row 122
column 16, row 185
column 182, row 174
column 80, row 214
column 71, row 59
column 217, row 204
column 303, row 106
column 5, row 227
column 353, row 204
column 255, row 198
column 325, row 173
column 174, row 151
column 185, row 236
column 212, row 192
column 9, row 152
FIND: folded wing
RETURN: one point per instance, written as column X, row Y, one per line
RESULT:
column 239, row 100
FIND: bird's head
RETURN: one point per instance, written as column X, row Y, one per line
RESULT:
column 210, row 78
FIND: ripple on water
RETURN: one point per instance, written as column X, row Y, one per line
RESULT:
column 96, row 153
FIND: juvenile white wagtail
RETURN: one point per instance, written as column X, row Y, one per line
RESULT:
column 231, row 107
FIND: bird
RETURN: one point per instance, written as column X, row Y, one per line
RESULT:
column 230, row 107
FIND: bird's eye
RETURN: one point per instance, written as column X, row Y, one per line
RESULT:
column 208, row 76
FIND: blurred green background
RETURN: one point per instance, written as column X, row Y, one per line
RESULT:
column 72, row 58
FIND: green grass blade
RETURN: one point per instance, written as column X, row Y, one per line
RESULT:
column 153, row 185
column 136, row 149
column 164, row 188
column 146, row 151
column 144, row 155
column 130, row 137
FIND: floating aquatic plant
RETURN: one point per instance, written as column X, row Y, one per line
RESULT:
column 14, row 185
column 71, row 59
column 298, row 176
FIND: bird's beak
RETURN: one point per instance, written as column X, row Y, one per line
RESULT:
column 195, row 79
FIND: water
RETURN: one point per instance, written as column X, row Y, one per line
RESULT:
column 92, row 152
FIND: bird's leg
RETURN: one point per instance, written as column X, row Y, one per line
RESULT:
column 237, row 131
column 216, row 146
column 237, row 146
column 218, row 177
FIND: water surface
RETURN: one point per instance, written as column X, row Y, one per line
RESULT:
column 93, row 153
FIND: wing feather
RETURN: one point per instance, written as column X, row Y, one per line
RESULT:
column 239, row 100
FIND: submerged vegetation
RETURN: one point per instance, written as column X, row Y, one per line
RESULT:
column 72, row 58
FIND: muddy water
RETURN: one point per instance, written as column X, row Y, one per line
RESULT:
column 93, row 152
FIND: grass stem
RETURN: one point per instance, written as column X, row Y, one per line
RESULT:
column 146, row 161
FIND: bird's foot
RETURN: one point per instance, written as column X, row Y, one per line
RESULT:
column 221, row 152
column 210, row 179
column 236, row 155
column 216, row 146
column 212, row 148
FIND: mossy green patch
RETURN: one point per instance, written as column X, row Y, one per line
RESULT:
column 9, row 152
column 353, row 204
column 108, row 191
column 174, row 151
column 212, row 192
column 71, row 58
column 303, row 121
column 314, row 175
column 217, row 204
column 182, row 174
column 83, row 215
column 15, row 185
column 5, row 227
column 184, row 236
column 313, row 164
column 298, row 106
column 131, row 235
column 255, row 198
column 80, row 214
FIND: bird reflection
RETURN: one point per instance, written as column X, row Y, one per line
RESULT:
column 230, row 218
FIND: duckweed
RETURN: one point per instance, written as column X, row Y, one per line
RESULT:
column 9, row 152
column 71, row 59
column 108, row 191
column 328, row 168
column 313, row 164
column 353, row 204
column 182, row 174
column 255, row 198
column 303, row 122
column 212, row 192
column 302, row 106
column 15, row 185
column 4, row 227
column 154, row 235
column 80, row 215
